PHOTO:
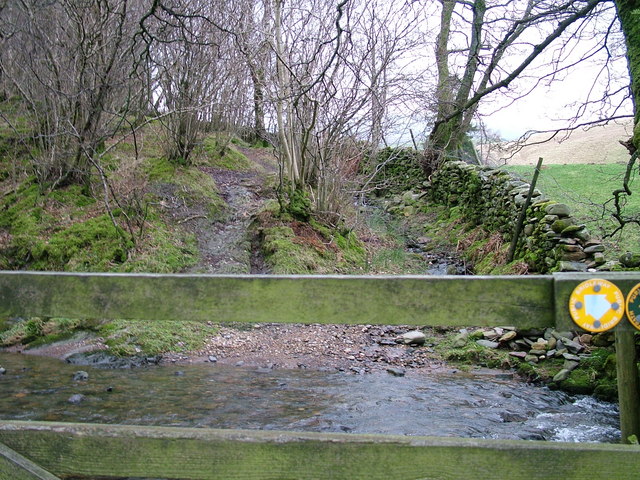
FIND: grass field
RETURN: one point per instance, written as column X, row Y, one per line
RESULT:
column 587, row 189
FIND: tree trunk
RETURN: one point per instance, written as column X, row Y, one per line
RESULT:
column 629, row 16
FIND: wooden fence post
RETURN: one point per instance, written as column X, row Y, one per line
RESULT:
column 628, row 389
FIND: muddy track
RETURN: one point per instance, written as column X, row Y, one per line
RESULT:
column 225, row 243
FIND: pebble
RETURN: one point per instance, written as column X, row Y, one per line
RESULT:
column 76, row 398
column 3, row 370
column 397, row 372
column 80, row 376
column 212, row 358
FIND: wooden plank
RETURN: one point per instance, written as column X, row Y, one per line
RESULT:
column 137, row 451
column 16, row 467
column 416, row 300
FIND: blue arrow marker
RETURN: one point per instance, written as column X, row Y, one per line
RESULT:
column 596, row 305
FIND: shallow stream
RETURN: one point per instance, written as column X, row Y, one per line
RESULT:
column 484, row 404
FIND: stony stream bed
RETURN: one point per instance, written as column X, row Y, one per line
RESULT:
column 480, row 404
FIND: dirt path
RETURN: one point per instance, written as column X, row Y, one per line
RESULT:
column 225, row 243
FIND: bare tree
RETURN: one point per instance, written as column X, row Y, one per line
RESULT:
column 497, row 42
column 71, row 62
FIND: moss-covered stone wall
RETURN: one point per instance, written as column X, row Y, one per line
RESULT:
column 551, row 240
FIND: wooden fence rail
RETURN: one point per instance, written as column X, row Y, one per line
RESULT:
column 48, row 450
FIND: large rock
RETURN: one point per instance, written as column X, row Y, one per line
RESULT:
column 488, row 344
column 559, row 209
column 630, row 260
column 414, row 337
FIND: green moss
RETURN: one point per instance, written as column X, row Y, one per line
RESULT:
column 222, row 154
column 596, row 375
column 285, row 256
column 580, row 381
column 93, row 245
column 73, row 195
column 190, row 184
column 473, row 354
column 160, row 170
column 155, row 337
column 294, row 247
column 396, row 170
column 39, row 331
column 164, row 251
column 299, row 205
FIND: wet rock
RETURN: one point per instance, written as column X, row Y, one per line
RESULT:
column 179, row 373
column 414, row 337
column 396, row 372
column 76, row 398
column 520, row 355
column 3, row 370
column 531, row 359
column 212, row 358
column 357, row 370
column 80, row 376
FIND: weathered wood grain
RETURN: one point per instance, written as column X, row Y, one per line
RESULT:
column 14, row 466
column 185, row 453
column 415, row 300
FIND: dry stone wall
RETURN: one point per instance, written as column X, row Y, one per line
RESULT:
column 552, row 239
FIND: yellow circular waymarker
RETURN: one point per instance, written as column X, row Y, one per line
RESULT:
column 633, row 306
column 596, row 305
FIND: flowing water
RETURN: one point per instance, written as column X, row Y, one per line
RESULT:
column 487, row 405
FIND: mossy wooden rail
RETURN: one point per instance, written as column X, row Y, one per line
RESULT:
column 49, row 450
